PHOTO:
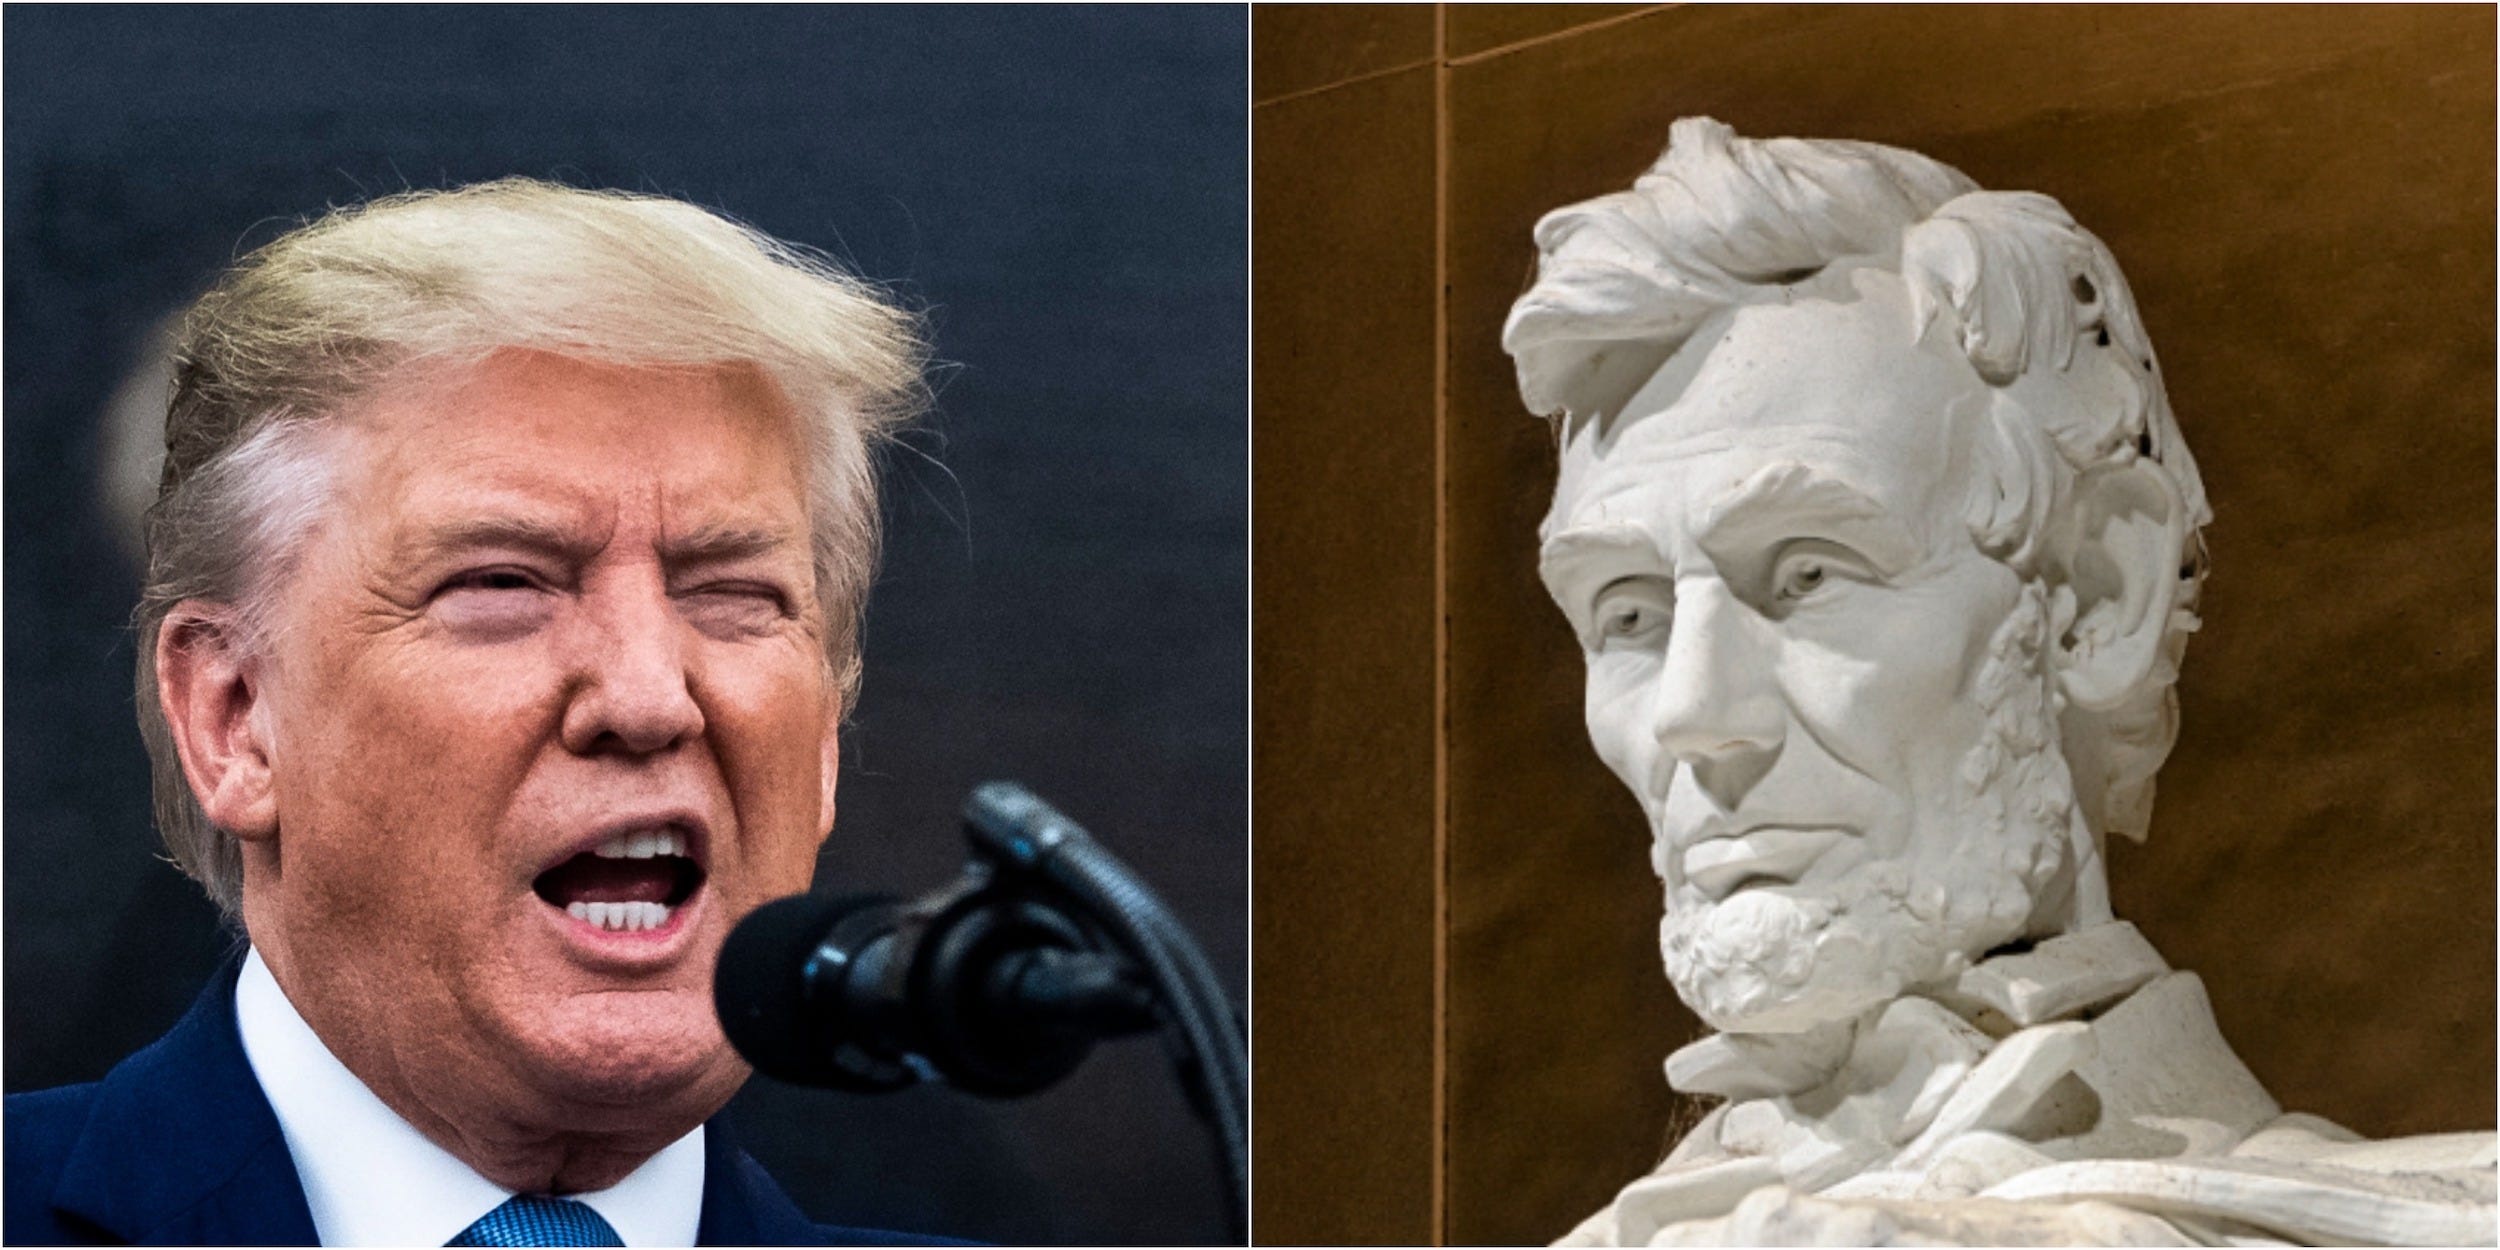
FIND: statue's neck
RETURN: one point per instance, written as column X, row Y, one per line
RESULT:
column 2060, row 978
column 2077, row 898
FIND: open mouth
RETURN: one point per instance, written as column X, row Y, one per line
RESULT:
column 633, row 882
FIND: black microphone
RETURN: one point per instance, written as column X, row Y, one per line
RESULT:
column 992, row 991
column 999, row 984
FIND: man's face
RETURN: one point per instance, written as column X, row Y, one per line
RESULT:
column 548, row 712
column 1831, row 704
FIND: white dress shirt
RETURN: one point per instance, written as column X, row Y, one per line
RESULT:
column 373, row 1180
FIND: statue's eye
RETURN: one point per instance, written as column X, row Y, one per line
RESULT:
column 1800, row 576
column 1632, row 612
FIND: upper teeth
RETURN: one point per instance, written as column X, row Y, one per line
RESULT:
column 644, row 844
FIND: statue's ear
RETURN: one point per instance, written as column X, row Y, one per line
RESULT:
column 2121, row 558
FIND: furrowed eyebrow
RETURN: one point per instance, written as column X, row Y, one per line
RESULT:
column 497, row 532
column 718, row 544
column 1790, row 500
column 721, row 544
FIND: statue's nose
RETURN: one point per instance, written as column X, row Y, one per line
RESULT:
column 1718, row 711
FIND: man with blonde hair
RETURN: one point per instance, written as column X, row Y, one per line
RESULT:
column 500, row 615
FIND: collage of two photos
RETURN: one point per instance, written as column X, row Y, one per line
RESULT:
column 1281, row 624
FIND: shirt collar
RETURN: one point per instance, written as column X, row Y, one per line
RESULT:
column 372, row 1179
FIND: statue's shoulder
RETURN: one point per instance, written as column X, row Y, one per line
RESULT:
column 2299, row 1181
column 2303, row 1179
column 2026, row 1114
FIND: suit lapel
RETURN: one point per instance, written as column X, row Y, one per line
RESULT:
column 741, row 1205
column 181, row 1146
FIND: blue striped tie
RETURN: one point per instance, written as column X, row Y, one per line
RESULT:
column 528, row 1221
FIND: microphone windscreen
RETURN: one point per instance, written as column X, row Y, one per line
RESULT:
column 760, row 987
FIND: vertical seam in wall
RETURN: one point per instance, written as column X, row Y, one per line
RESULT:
column 1441, row 624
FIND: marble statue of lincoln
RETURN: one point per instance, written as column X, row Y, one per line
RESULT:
column 1882, row 546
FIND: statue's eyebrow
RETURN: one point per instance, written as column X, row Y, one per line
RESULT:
column 1792, row 500
column 1582, row 559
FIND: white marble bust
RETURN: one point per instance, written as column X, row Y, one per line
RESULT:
column 1883, row 548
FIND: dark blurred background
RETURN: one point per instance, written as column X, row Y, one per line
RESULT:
column 1063, row 601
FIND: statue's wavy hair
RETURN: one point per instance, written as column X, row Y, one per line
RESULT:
column 301, row 328
column 1721, row 221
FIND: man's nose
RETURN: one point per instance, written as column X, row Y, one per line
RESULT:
column 1718, row 710
column 632, row 688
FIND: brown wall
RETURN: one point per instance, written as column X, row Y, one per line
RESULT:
column 1460, row 1013
column 1342, row 636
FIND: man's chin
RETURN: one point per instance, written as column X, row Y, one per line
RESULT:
column 618, row 1051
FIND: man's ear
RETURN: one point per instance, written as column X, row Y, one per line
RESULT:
column 213, row 698
column 2122, row 560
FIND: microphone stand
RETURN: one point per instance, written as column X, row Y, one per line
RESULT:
column 998, row 984
column 1024, row 840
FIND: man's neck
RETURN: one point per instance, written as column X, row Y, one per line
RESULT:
column 370, row 1177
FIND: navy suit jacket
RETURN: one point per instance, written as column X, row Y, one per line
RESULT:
column 177, row 1146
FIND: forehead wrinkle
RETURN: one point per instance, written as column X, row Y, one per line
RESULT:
column 1587, row 497
column 1634, row 470
column 1790, row 495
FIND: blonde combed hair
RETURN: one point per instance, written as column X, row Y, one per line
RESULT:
column 304, row 326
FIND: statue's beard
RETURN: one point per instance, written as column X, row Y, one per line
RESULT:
column 1777, row 961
